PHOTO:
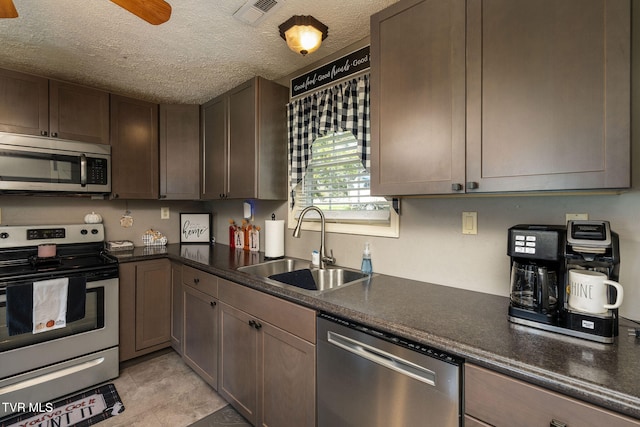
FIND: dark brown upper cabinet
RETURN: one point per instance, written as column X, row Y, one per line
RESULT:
column 78, row 113
column 134, row 148
column 245, row 143
column 24, row 103
column 500, row 96
column 33, row 105
column 179, row 152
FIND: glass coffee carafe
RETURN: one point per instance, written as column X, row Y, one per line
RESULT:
column 534, row 287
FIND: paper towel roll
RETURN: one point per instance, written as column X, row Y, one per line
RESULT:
column 274, row 238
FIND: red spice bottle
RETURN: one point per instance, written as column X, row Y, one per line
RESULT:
column 232, row 233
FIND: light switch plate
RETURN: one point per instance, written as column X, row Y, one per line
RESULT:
column 576, row 217
column 469, row 222
column 165, row 213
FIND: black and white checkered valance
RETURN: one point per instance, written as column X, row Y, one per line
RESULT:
column 344, row 107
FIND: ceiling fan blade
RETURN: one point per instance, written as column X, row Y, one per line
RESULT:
column 8, row 9
column 153, row 11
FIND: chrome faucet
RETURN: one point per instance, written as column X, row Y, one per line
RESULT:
column 324, row 259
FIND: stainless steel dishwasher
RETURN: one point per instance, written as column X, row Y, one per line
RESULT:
column 369, row 378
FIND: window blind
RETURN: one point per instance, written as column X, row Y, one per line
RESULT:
column 336, row 181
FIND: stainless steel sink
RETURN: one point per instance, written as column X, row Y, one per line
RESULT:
column 278, row 266
column 298, row 273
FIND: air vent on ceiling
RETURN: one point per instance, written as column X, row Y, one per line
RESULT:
column 254, row 11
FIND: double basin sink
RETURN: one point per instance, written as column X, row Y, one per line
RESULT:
column 300, row 274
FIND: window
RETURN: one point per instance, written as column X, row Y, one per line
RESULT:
column 328, row 159
column 336, row 181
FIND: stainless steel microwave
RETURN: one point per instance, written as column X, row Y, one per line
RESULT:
column 37, row 164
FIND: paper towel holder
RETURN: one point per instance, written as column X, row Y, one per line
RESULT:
column 272, row 252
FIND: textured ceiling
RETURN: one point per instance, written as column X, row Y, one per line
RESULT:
column 199, row 53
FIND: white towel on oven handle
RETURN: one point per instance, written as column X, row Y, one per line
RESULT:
column 50, row 304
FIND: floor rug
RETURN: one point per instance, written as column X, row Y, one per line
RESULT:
column 81, row 410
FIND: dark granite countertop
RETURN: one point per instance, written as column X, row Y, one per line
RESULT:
column 468, row 324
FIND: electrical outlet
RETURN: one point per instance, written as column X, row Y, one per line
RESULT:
column 469, row 222
column 165, row 213
column 576, row 217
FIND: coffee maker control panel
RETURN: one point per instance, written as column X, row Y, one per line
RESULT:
column 542, row 242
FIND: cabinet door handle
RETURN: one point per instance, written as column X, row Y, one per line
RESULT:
column 43, row 133
column 196, row 281
column 54, row 134
column 212, row 303
column 254, row 324
column 556, row 423
column 472, row 185
column 456, row 187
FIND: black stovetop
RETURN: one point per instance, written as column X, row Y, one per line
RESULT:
column 19, row 264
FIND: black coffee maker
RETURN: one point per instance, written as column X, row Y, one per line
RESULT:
column 537, row 274
column 541, row 258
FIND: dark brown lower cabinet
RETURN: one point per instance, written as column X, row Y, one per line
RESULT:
column 493, row 399
column 286, row 379
column 177, row 317
column 267, row 357
column 200, row 334
column 239, row 361
column 145, row 307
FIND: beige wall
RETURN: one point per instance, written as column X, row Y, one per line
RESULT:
column 19, row 210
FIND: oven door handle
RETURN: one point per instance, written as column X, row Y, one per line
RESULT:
column 83, row 170
column 90, row 285
column 383, row 358
column 51, row 376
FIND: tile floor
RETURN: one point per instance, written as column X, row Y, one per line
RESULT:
column 160, row 390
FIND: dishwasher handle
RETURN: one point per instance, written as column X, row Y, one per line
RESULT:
column 383, row 358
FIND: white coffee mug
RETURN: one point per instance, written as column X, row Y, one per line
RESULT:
column 588, row 291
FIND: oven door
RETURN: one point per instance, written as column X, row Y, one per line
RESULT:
column 98, row 330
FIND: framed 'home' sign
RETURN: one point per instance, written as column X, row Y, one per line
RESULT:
column 195, row 228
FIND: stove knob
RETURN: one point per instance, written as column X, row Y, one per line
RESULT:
column 94, row 231
column 4, row 235
column 83, row 232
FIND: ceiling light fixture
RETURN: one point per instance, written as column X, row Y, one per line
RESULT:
column 303, row 34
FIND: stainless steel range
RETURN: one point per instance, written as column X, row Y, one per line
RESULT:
column 44, row 268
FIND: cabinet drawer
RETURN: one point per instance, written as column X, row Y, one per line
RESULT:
column 204, row 282
column 286, row 315
column 502, row 401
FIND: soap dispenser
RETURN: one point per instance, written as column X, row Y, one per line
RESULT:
column 366, row 268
